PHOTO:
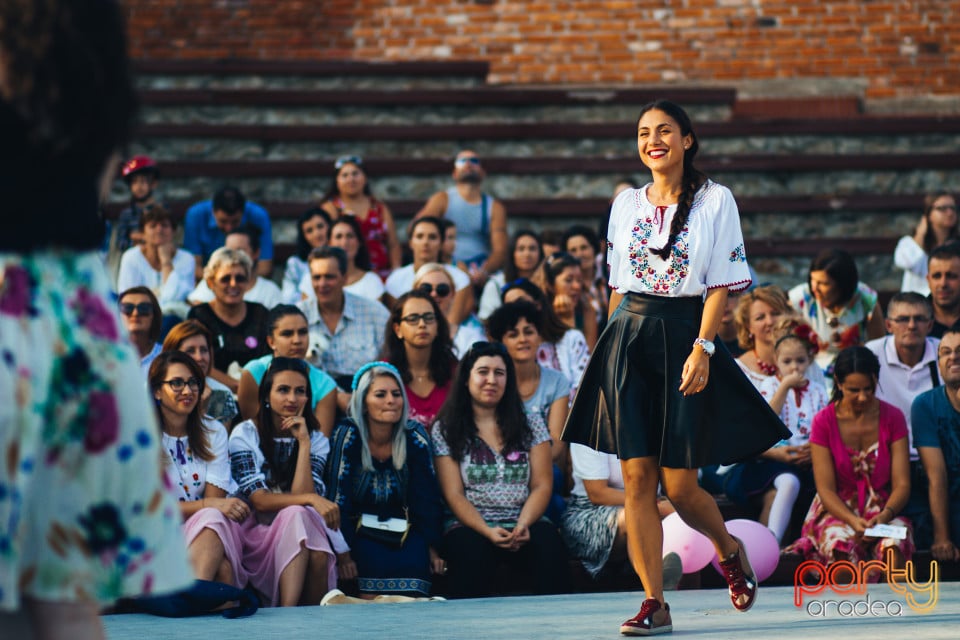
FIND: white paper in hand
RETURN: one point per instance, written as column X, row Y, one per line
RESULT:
column 886, row 531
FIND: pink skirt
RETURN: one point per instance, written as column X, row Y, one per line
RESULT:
column 269, row 548
column 230, row 536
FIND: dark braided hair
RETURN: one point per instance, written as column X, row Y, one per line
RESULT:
column 692, row 179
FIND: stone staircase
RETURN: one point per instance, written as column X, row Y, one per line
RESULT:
column 837, row 177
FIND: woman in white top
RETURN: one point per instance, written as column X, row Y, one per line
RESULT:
column 525, row 254
column 345, row 232
column 158, row 264
column 426, row 240
column 313, row 231
column 197, row 467
column 293, row 545
column 938, row 224
column 656, row 391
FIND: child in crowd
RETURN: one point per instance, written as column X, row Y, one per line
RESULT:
column 141, row 175
column 796, row 399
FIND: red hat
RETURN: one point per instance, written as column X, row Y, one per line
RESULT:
column 138, row 164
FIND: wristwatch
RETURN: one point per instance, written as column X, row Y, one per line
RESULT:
column 707, row 346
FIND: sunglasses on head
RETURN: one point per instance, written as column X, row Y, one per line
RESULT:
column 460, row 162
column 442, row 289
column 142, row 308
column 344, row 160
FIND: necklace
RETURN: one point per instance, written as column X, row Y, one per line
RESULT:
column 765, row 367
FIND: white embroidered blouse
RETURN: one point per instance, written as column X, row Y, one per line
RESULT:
column 189, row 474
column 707, row 254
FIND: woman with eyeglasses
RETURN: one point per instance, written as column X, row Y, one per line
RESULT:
column 381, row 469
column 288, row 337
column 561, row 279
column 293, row 544
column 561, row 348
column 525, row 255
column 349, row 195
column 142, row 317
column 78, row 433
column 843, row 311
column 239, row 327
column 426, row 238
column 197, row 467
column 313, row 231
column 657, row 392
column 346, row 233
column 434, row 279
column 493, row 465
column 195, row 340
column 418, row 343
column 938, row 224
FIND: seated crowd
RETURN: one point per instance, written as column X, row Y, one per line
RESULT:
column 393, row 423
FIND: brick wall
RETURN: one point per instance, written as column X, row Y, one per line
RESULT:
column 894, row 48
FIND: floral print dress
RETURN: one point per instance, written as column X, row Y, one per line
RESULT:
column 84, row 516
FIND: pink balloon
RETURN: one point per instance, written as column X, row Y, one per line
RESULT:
column 760, row 543
column 694, row 548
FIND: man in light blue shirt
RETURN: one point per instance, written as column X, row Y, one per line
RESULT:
column 208, row 222
column 346, row 331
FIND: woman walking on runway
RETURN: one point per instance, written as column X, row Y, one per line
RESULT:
column 657, row 392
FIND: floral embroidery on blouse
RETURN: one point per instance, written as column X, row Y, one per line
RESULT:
column 738, row 254
column 639, row 255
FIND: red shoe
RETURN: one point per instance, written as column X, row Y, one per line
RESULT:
column 653, row 619
column 741, row 580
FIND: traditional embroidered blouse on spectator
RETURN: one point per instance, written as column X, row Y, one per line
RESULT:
column 497, row 485
column 247, row 459
column 189, row 475
column 707, row 254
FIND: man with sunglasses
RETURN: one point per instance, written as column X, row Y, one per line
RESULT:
column 481, row 220
column 208, row 222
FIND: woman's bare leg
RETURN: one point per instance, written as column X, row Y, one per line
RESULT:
column 642, row 518
column 698, row 509
column 206, row 554
column 316, row 579
column 292, row 578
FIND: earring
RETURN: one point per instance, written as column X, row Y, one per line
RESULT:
column 266, row 404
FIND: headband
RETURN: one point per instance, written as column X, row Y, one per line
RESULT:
column 370, row 365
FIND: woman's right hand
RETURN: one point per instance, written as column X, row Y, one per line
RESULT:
column 922, row 227
column 329, row 511
column 297, row 427
column 233, row 508
column 563, row 305
column 500, row 537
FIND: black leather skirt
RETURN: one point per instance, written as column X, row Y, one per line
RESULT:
column 629, row 402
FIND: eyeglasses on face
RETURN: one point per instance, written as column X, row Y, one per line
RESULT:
column 237, row 278
column 142, row 308
column 462, row 162
column 918, row 319
column 415, row 318
column 442, row 289
column 345, row 160
column 177, row 384
column 484, row 348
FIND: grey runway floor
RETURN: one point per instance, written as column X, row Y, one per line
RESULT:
column 704, row 614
